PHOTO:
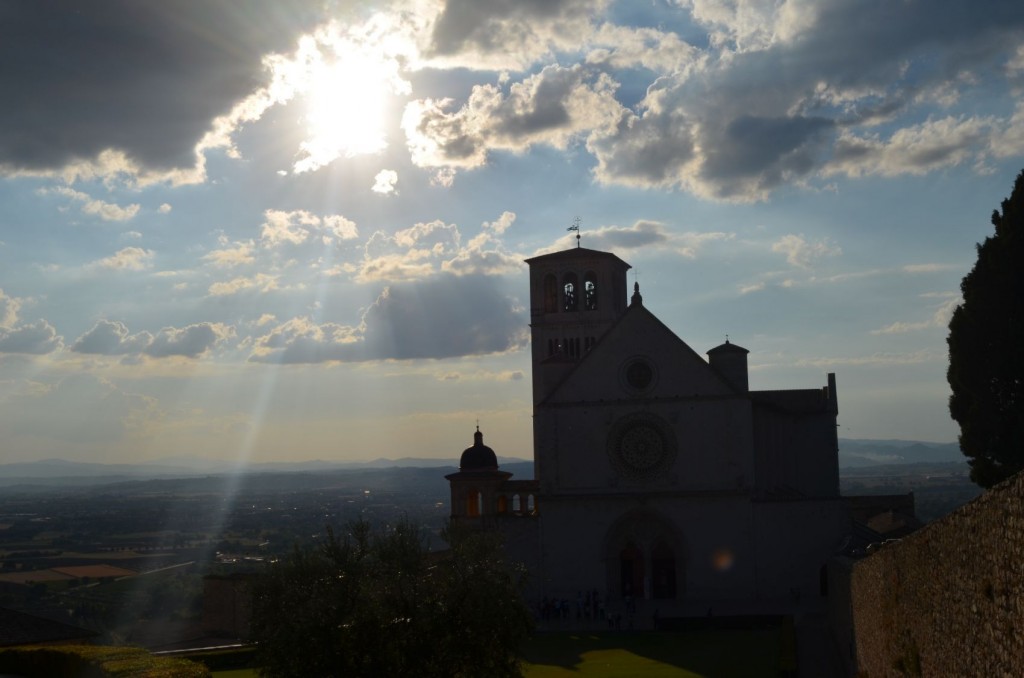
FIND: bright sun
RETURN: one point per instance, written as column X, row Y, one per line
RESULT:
column 347, row 102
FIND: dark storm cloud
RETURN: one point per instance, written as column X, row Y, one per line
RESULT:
column 442, row 317
column 145, row 78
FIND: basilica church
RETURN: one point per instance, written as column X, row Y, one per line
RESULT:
column 659, row 475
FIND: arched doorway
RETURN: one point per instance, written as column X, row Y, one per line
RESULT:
column 663, row 572
column 631, row 569
column 646, row 557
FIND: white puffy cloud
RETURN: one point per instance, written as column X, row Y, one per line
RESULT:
column 485, row 253
column 238, row 254
column 802, row 253
column 127, row 259
column 431, row 248
column 552, row 107
column 385, row 181
column 298, row 226
column 107, row 211
column 261, row 282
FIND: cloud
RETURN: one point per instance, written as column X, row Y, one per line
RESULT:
column 142, row 82
column 127, row 259
column 801, row 253
column 918, row 149
column 297, row 226
column 552, row 107
column 500, row 34
column 427, row 249
column 229, row 257
column 384, row 182
column 619, row 47
column 36, row 338
column 261, row 281
column 939, row 318
column 190, row 342
column 9, row 307
column 104, row 210
column 442, row 317
column 777, row 93
column 485, row 254
column 642, row 234
column 482, row 375
column 112, row 338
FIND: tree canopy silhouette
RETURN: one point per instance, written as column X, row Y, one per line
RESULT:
column 381, row 605
column 986, row 350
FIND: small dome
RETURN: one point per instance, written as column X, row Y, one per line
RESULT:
column 479, row 457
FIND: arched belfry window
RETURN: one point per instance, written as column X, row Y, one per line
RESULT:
column 550, row 293
column 570, row 292
column 590, row 291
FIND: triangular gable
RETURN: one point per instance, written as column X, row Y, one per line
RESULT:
column 678, row 370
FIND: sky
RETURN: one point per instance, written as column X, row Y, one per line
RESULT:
column 287, row 230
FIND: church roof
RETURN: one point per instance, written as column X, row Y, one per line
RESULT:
column 576, row 253
column 727, row 348
column 479, row 457
column 638, row 321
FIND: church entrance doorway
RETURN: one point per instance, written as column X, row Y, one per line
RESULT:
column 645, row 558
column 663, row 572
column 631, row 565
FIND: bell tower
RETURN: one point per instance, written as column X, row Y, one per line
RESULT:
column 575, row 296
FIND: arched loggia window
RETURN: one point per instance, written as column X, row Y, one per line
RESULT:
column 550, row 293
column 590, row 291
column 570, row 292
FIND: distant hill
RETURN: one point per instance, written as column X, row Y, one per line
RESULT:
column 852, row 454
column 74, row 473
column 857, row 453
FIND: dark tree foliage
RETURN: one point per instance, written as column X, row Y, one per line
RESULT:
column 381, row 605
column 986, row 350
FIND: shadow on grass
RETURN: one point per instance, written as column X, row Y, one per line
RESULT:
column 749, row 653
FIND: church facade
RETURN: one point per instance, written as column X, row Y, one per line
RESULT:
column 658, row 474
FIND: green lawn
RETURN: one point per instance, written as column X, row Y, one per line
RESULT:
column 689, row 654
column 746, row 654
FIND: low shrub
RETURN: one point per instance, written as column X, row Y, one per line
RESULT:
column 94, row 661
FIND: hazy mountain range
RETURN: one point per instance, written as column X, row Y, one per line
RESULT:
column 852, row 454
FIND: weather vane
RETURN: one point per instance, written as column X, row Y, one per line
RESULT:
column 576, row 227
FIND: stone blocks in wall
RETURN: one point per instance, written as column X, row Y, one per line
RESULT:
column 947, row 600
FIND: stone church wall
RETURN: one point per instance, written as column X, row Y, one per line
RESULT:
column 949, row 599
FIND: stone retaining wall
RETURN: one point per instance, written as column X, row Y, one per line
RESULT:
column 949, row 599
